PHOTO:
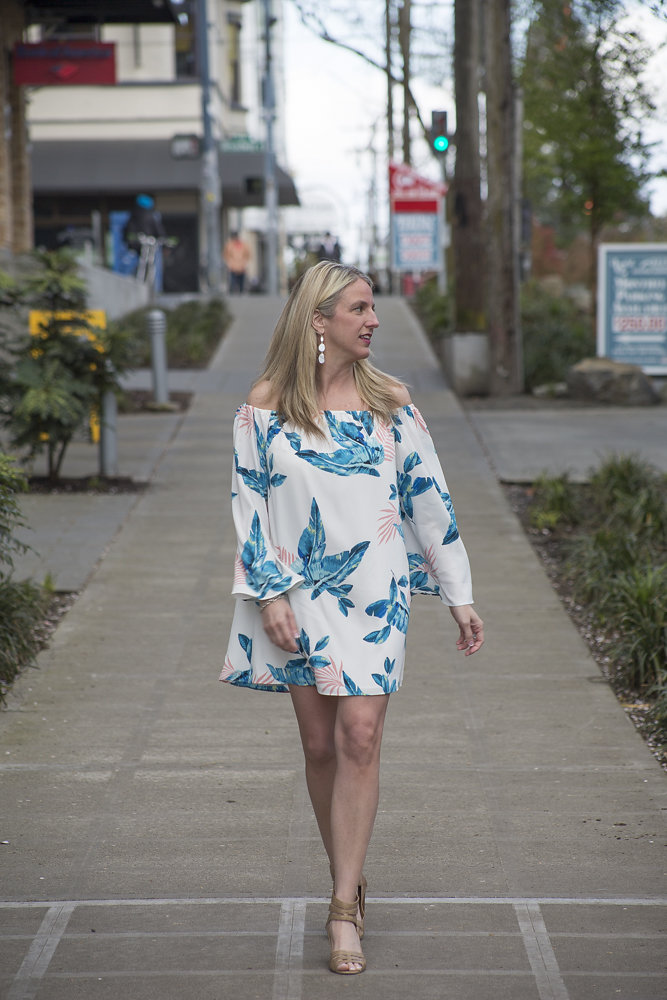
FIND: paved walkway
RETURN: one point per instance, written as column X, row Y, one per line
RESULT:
column 158, row 841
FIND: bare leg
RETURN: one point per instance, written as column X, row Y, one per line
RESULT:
column 316, row 716
column 358, row 737
column 341, row 743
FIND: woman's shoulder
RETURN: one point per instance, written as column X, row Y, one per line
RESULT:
column 400, row 394
column 262, row 395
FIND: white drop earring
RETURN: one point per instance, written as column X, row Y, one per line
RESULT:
column 321, row 349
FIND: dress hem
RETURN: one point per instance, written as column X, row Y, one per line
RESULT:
column 284, row 689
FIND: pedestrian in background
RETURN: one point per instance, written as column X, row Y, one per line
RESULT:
column 329, row 248
column 341, row 511
column 236, row 256
column 144, row 221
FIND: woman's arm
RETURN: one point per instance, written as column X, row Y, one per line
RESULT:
column 471, row 628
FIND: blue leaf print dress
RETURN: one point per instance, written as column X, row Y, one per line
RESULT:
column 348, row 527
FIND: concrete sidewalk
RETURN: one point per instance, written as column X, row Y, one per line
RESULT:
column 159, row 841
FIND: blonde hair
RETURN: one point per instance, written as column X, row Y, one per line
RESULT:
column 291, row 360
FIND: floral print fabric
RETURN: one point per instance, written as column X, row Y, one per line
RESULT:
column 348, row 527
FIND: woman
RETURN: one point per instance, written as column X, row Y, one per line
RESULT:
column 341, row 511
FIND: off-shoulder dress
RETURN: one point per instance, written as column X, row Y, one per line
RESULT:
column 348, row 526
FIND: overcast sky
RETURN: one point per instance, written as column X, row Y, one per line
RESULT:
column 336, row 105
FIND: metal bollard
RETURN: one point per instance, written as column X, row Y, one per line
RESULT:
column 157, row 328
column 108, row 435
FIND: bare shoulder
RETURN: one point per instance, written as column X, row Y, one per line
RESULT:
column 401, row 394
column 262, row 395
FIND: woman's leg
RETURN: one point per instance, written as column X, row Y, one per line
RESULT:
column 341, row 739
column 316, row 716
column 358, row 738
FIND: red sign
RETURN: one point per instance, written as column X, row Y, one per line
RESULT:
column 410, row 192
column 75, row 61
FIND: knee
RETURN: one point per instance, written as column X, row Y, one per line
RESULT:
column 318, row 750
column 359, row 742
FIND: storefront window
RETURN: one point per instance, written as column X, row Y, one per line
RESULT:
column 185, row 39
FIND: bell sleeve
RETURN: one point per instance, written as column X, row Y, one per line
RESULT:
column 259, row 573
column 436, row 554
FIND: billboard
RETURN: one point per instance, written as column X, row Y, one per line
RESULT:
column 632, row 304
column 67, row 62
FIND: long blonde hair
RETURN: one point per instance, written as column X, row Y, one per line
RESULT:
column 291, row 360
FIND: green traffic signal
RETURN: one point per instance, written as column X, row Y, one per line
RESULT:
column 439, row 132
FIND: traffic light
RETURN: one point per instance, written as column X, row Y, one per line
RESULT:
column 439, row 137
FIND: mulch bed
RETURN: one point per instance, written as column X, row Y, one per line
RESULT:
column 551, row 550
column 140, row 400
column 92, row 485
column 59, row 605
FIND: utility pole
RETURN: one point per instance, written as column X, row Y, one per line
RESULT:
column 270, row 189
column 210, row 188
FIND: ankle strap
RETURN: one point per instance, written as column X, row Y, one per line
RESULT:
column 339, row 910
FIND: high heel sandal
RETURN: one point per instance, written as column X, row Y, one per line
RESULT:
column 347, row 912
column 361, row 893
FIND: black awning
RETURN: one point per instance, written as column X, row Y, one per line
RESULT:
column 101, row 11
column 126, row 166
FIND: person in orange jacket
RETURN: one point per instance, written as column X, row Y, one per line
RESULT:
column 236, row 256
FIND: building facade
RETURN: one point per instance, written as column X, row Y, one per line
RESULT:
column 95, row 148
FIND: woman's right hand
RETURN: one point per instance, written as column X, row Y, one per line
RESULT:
column 280, row 625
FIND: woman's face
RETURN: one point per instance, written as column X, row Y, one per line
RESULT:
column 347, row 334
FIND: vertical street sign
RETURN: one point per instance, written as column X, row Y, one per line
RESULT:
column 632, row 304
column 416, row 216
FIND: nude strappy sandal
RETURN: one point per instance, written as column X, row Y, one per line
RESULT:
column 338, row 910
column 361, row 893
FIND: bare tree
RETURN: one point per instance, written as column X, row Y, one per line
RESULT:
column 404, row 40
column 390, row 81
column 312, row 19
column 506, row 365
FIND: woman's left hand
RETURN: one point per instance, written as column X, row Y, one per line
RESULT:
column 471, row 628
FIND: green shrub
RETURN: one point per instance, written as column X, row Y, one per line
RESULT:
column 638, row 604
column 433, row 309
column 194, row 329
column 22, row 605
column 657, row 715
column 49, row 382
column 555, row 502
column 22, row 608
column 556, row 334
column 594, row 560
column 12, row 482
column 615, row 560
column 629, row 492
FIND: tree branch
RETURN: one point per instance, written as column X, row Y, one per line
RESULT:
column 319, row 28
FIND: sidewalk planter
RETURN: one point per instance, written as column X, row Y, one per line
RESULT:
column 465, row 358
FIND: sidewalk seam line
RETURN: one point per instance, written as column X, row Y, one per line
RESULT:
column 41, row 951
column 289, row 951
column 380, row 900
column 543, row 962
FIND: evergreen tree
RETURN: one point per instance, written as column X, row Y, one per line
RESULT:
column 585, row 160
